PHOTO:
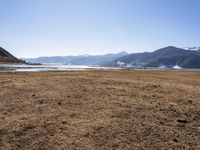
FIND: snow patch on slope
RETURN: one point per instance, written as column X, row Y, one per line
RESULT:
column 177, row 67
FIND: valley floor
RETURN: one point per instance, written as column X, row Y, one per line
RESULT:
column 110, row 109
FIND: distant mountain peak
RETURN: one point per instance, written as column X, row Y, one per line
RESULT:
column 123, row 52
column 169, row 47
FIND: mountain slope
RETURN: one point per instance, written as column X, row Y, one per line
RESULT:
column 6, row 57
column 77, row 60
column 167, row 57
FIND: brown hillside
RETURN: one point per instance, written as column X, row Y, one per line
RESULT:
column 6, row 57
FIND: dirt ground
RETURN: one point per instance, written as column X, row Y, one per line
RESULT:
column 105, row 110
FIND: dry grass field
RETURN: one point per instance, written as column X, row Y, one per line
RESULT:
column 105, row 110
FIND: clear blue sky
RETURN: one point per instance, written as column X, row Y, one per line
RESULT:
column 31, row 28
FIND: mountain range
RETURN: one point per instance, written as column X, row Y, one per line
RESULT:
column 90, row 60
column 168, row 57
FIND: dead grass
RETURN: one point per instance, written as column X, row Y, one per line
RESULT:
column 119, row 109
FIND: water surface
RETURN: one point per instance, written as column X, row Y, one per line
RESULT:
column 45, row 67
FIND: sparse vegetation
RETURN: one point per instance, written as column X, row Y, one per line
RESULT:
column 120, row 109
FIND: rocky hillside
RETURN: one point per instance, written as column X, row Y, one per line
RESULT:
column 6, row 57
column 167, row 57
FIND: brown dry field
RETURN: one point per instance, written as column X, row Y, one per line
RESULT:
column 110, row 109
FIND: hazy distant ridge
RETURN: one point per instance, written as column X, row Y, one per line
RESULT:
column 78, row 60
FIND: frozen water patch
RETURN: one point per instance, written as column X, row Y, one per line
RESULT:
column 45, row 67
